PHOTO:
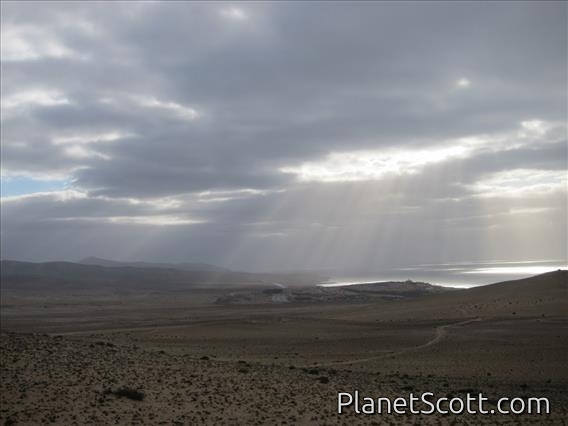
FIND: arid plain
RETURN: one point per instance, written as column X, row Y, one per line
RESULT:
column 237, row 349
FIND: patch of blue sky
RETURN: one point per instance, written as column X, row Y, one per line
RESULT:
column 19, row 185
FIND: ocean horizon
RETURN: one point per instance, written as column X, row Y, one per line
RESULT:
column 459, row 275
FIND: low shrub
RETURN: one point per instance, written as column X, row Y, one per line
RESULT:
column 126, row 392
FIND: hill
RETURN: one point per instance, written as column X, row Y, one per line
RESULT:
column 45, row 279
column 186, row 266
column 536, row 296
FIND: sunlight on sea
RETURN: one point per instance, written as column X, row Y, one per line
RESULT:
column 460, row 275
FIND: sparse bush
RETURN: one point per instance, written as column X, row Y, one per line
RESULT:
column 323, row 379
column 126, row 392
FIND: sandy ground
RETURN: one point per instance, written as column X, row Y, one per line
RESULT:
column 198, row 362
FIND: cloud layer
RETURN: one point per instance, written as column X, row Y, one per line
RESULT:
column 285, row 135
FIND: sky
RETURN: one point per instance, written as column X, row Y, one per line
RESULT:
column 284, row 135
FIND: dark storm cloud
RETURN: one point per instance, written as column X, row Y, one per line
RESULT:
column 198, row 101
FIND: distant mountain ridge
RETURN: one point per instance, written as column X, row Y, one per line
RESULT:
column 185, row 266
column 46, row 277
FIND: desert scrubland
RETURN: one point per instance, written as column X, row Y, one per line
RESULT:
column 235, row 349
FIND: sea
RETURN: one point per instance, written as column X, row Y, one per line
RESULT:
column 460, row 275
